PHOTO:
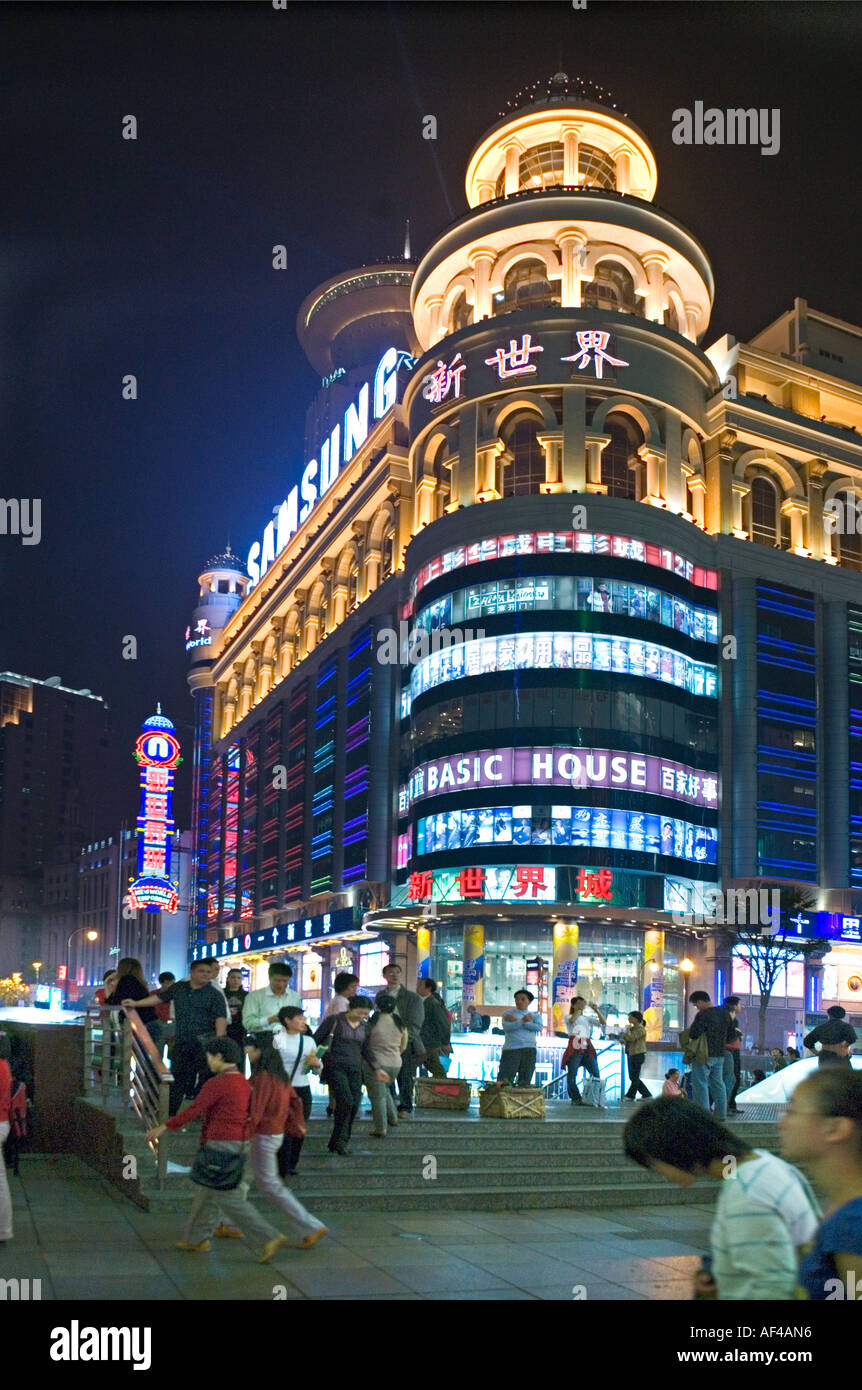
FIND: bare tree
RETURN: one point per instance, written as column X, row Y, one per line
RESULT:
column 769, row 951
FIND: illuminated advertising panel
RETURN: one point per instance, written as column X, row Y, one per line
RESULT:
column 561, row 767
column 564, row 651
column 594, row 827
column 616, row 597
column 158, row 752
column 564, row 543
column 508, row 883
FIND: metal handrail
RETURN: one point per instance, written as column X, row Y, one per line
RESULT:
column 129, row 1066
column 563, row 1075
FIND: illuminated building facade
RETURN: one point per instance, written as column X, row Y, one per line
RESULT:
column 552, row 630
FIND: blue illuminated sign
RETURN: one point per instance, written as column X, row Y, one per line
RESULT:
column 287, row 935
column 834, row 926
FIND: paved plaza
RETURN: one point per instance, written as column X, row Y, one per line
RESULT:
column 83, row 1240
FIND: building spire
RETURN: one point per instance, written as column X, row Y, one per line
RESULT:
column 407, row 241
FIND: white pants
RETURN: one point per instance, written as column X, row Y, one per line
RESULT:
column 5, row 1194
column 264, row 1167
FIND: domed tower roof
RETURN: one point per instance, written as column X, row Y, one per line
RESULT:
column 534, row 125
column 158, row 721
column 226, row 560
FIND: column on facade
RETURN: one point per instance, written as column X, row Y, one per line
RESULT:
column 797, row 509
column 740, row 489
column 719, row 967
column 692, row 318
column 719, row 462
column 623, row 161
column 571, row 137
column 373, row 562
column 312, row 629
column 266, row 666
column 473, row 969
column 339, row 602
column 399, row 491
column 436, row 330
column 654, row 263
column 819, row 538
column 653, row 1004
column 564, row 973
column 488, row 478
column 813, row 975
column 571, row 241
column 246, row 690
column 551, row 442
column 453, row 464
column 697, row 484
column 574, row 439
column 228, row 709
column 424, row 952
column 653, row 461
column 513, row 152
column 481, row 262
column 595, row 446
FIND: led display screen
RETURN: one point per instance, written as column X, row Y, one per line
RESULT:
column 563, row 543
column 615, row 597
column 563, row 651
column 576, row 826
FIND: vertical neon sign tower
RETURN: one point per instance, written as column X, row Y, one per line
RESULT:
column 158, row 753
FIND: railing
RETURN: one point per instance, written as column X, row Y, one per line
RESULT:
column 121, row 1062
column 557, row 1089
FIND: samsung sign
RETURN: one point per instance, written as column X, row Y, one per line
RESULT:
column 375, row 398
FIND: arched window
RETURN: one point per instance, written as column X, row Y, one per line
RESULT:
column 352, row 587
column 847, row 534
column 619, row 479
column 763, row 502
column 526, row 286
column 462, row 314
column 613, row 288
column 527, row 470
column 387, row 550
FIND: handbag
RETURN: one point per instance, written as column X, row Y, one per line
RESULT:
column 694, row 1052
column 594, row 1092
column 218, row 1169
column 294, row 1124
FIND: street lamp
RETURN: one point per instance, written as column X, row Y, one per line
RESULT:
column 91, row 936
column 37, row 966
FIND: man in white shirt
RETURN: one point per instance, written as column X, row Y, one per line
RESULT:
column 260, row 1010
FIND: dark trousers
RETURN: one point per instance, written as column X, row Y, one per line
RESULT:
column 345, row 1095
column 432, row 1063
column 636, row 1086
column 737, row 1077
column 406, row 1077
column 576, row 1061
column 189, row 1066
column 288, row 1154
column 517, row 1062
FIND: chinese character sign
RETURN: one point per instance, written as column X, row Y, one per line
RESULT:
column 592, row 343
column 515, row 362
column 158, row 753
column 445, row 379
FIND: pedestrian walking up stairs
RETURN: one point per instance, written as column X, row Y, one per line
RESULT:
column 443, row 1162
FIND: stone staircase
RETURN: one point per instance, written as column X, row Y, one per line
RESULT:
column 453, row 1162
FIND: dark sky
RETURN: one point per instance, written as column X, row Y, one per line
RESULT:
column 303, row 127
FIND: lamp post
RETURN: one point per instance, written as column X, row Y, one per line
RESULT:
column 37, row 966
column 91, row 936
column 685, row 967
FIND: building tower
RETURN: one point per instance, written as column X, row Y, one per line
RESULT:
column 223, row 584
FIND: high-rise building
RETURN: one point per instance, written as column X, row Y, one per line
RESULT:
column 558, row 628
column 56, row 793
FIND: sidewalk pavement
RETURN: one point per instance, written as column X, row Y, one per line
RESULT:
column 83, row 1240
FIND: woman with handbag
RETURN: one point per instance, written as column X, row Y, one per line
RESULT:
column 580, row 1051
column 384, row 1050
column 633, row 1040
column 223, row 1102
column 298, row 1052
column 275, row 1111
column 342, row 1068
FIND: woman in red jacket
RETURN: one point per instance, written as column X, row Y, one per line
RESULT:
column 270, row 1096
column 5, row 1113
column 224, row 1103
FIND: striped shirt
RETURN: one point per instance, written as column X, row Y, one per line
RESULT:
column 764, row 1214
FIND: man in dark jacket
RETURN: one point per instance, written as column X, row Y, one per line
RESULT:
column 707, row 1078
column 411, row 1011
column 835, row 1038
column 437, row 1029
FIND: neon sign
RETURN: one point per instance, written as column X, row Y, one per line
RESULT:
column 515, row 362
column 372, row 402
column 593, row 342
column 157, row 751
column 510, row 883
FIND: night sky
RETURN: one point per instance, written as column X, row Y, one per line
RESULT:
column 303, row 127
